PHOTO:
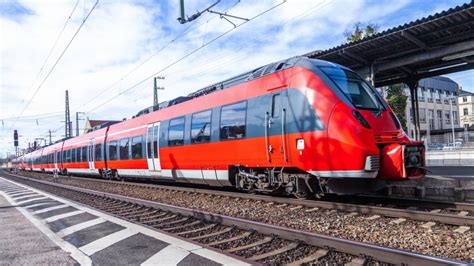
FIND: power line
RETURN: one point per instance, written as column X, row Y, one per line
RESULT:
column 57, row 61
column 201, row 70
column 187, row 55
column 178, row 36
column 39, row 116
column 51, row 50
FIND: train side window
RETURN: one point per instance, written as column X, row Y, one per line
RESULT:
column 149, row 140
column 176, row 132
column 78, row 155
column 113, row 150
column 124, row 149
column 201, row 127
column 73, row 156
column 276, row 105
column 84, row 154
column 233, row 121
column 137, row 147
column 155, row 142
column 98, row 151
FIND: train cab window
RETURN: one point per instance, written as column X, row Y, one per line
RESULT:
column 113, row 150
column 201, row 127
column 137, row 147
column 176, row 132
column 123, row 151
column 84, row 154
column 98, row 152
column 354, row 88
column 233, row 121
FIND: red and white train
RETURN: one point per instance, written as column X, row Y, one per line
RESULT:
column 300, row 126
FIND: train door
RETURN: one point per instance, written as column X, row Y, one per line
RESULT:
column 90, row 154
column 153, row 147
column 275, row 130
column 55, row 160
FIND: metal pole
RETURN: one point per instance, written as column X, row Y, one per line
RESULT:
column 428, row 129
column 417, row 109
column 155, row 90
column 50, row 137
column 77, row 122
column 411, row 86
column 452, row 120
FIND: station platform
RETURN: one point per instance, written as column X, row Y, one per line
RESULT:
column 40, row 228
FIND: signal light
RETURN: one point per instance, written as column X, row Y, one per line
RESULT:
column 361, row 119
column 15, row 138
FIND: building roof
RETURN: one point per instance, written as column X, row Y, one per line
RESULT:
column 439, row 83
column 434, row 45
column 465, row 93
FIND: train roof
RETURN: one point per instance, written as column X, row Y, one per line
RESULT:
column 241, row 78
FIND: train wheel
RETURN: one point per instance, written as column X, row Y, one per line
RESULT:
column 302, row 195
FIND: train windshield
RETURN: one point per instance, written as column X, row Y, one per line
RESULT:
column 357, row 91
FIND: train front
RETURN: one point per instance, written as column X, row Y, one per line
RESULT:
column 365, row 137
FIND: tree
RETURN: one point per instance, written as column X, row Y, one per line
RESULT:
column 398, row 101
column 360, row 31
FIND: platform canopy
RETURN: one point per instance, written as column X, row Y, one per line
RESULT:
column 439, row 44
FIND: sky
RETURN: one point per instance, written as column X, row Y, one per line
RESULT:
column 109, row 65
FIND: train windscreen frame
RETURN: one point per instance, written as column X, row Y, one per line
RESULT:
column 354, row 88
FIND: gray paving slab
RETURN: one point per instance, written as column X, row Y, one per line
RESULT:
column 131, row 251
column 29, row 198
column 86, row 236
column 24, row 194
column 21, row 243
column 26, row 204
column 70, row 221
column 47, row 205
column 56, row 212
column 193, row 259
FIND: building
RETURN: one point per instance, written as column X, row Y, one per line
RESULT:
column 438, row 105
column 466, row 108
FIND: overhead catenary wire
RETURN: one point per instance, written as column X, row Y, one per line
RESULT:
column 186, row 55
column 232, row 61
column 51, row 50
column 162, row 48
column 57, row 61
column 38, row 116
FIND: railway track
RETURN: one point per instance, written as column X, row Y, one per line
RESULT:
column 450, row 213
column 256, row 241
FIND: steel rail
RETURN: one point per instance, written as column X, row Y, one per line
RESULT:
column 385, row 254
column 443, row 218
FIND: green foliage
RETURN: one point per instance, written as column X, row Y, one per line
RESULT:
column 360, row 31
column 398, row 101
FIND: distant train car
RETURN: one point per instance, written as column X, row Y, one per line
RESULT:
column 300, row 126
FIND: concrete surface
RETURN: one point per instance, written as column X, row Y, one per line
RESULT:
column 451, row 158
column 21, row 243
column 90, row 236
